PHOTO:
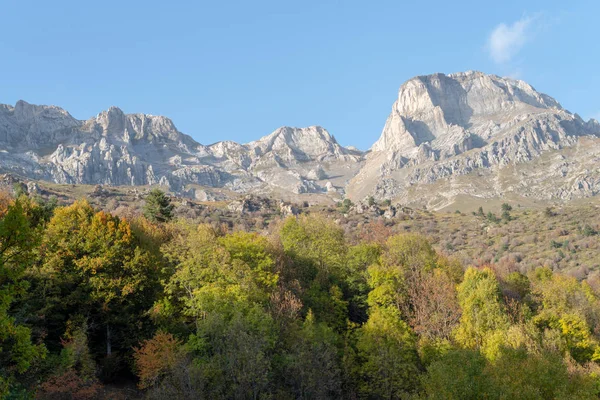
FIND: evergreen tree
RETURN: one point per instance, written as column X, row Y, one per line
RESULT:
column 158, row 206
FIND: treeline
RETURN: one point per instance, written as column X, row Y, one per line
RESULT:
column 300, row 311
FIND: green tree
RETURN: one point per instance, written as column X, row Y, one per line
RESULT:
column 158, row 207
column 519, row 374
column 484, row 321
column 404, row 261
column 345, row 205
column 360, row 257
column 234, row 354
column 388, row 360
column 214, row 274
column 457, row 375
column 318, row 250
column 17, row 240
column 313, row 364
column 571, row 310
column 93, row 265
column 515, row 374
column 317, row 241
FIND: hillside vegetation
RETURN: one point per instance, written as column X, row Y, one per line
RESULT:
column 306, row 307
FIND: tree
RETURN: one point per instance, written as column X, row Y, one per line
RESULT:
column 405, row 259
column 457, row 375
column 434, row 311
column 409, row 252
column 492, row 217
column 571, row 310
column 317, row 241
column 484, row 320
column 388, row 360
column 517, row 374
column 313, row 366
column 156, row 358
column 92, row 265
column 17, row 240
column 74, row 375
column 360, row 257
column 214, row 274
column 234, row 353
column 318, row 251
column 345, row 206
column 158, row 207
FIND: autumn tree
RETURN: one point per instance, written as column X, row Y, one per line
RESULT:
column 156, row 359
column 92, row 265
column 569, row 308
column 74, row 373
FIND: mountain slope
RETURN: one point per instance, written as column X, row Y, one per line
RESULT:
column 447, row 138
column 114, row 148
column 443, row 127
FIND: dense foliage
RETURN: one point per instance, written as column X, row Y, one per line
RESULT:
column 300, row 310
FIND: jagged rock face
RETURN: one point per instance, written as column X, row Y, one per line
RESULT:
column 114, row 148
column 31, row 127
column 457, row 112
column 447, row 135
column 301, row 144
column 443, row 126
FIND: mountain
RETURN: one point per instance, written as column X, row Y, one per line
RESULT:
column 114, row 148
column 448, row 139
column 482, row 136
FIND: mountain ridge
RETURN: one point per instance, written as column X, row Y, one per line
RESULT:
column 115, row 148
column 441, row 129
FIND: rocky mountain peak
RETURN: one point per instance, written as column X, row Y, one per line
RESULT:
column 446, row 109
column 32, row 125
column 299, row 143
column 447, row 135
column 445, row 126
column 137, row 127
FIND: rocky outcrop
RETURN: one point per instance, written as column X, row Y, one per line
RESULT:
column 463, row 134
column 445, row 126
column 114, row 148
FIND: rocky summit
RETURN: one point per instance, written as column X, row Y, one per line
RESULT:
column 447, row 138
column 113, row 148
column 478, row 135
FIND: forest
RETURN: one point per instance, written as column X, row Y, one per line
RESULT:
column 91, row 302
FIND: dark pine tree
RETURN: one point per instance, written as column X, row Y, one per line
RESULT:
column 158, row 206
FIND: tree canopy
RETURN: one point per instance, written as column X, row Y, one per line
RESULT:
column 299, row 310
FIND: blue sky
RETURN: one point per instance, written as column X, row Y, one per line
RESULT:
column 237, row 70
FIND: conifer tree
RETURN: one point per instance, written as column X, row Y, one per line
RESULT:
column 158, row 206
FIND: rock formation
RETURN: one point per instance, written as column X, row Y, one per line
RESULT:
column 463, row 134
column 113, row 148
column 443, row 127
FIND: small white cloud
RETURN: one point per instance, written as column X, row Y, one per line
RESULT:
column 507, row 40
